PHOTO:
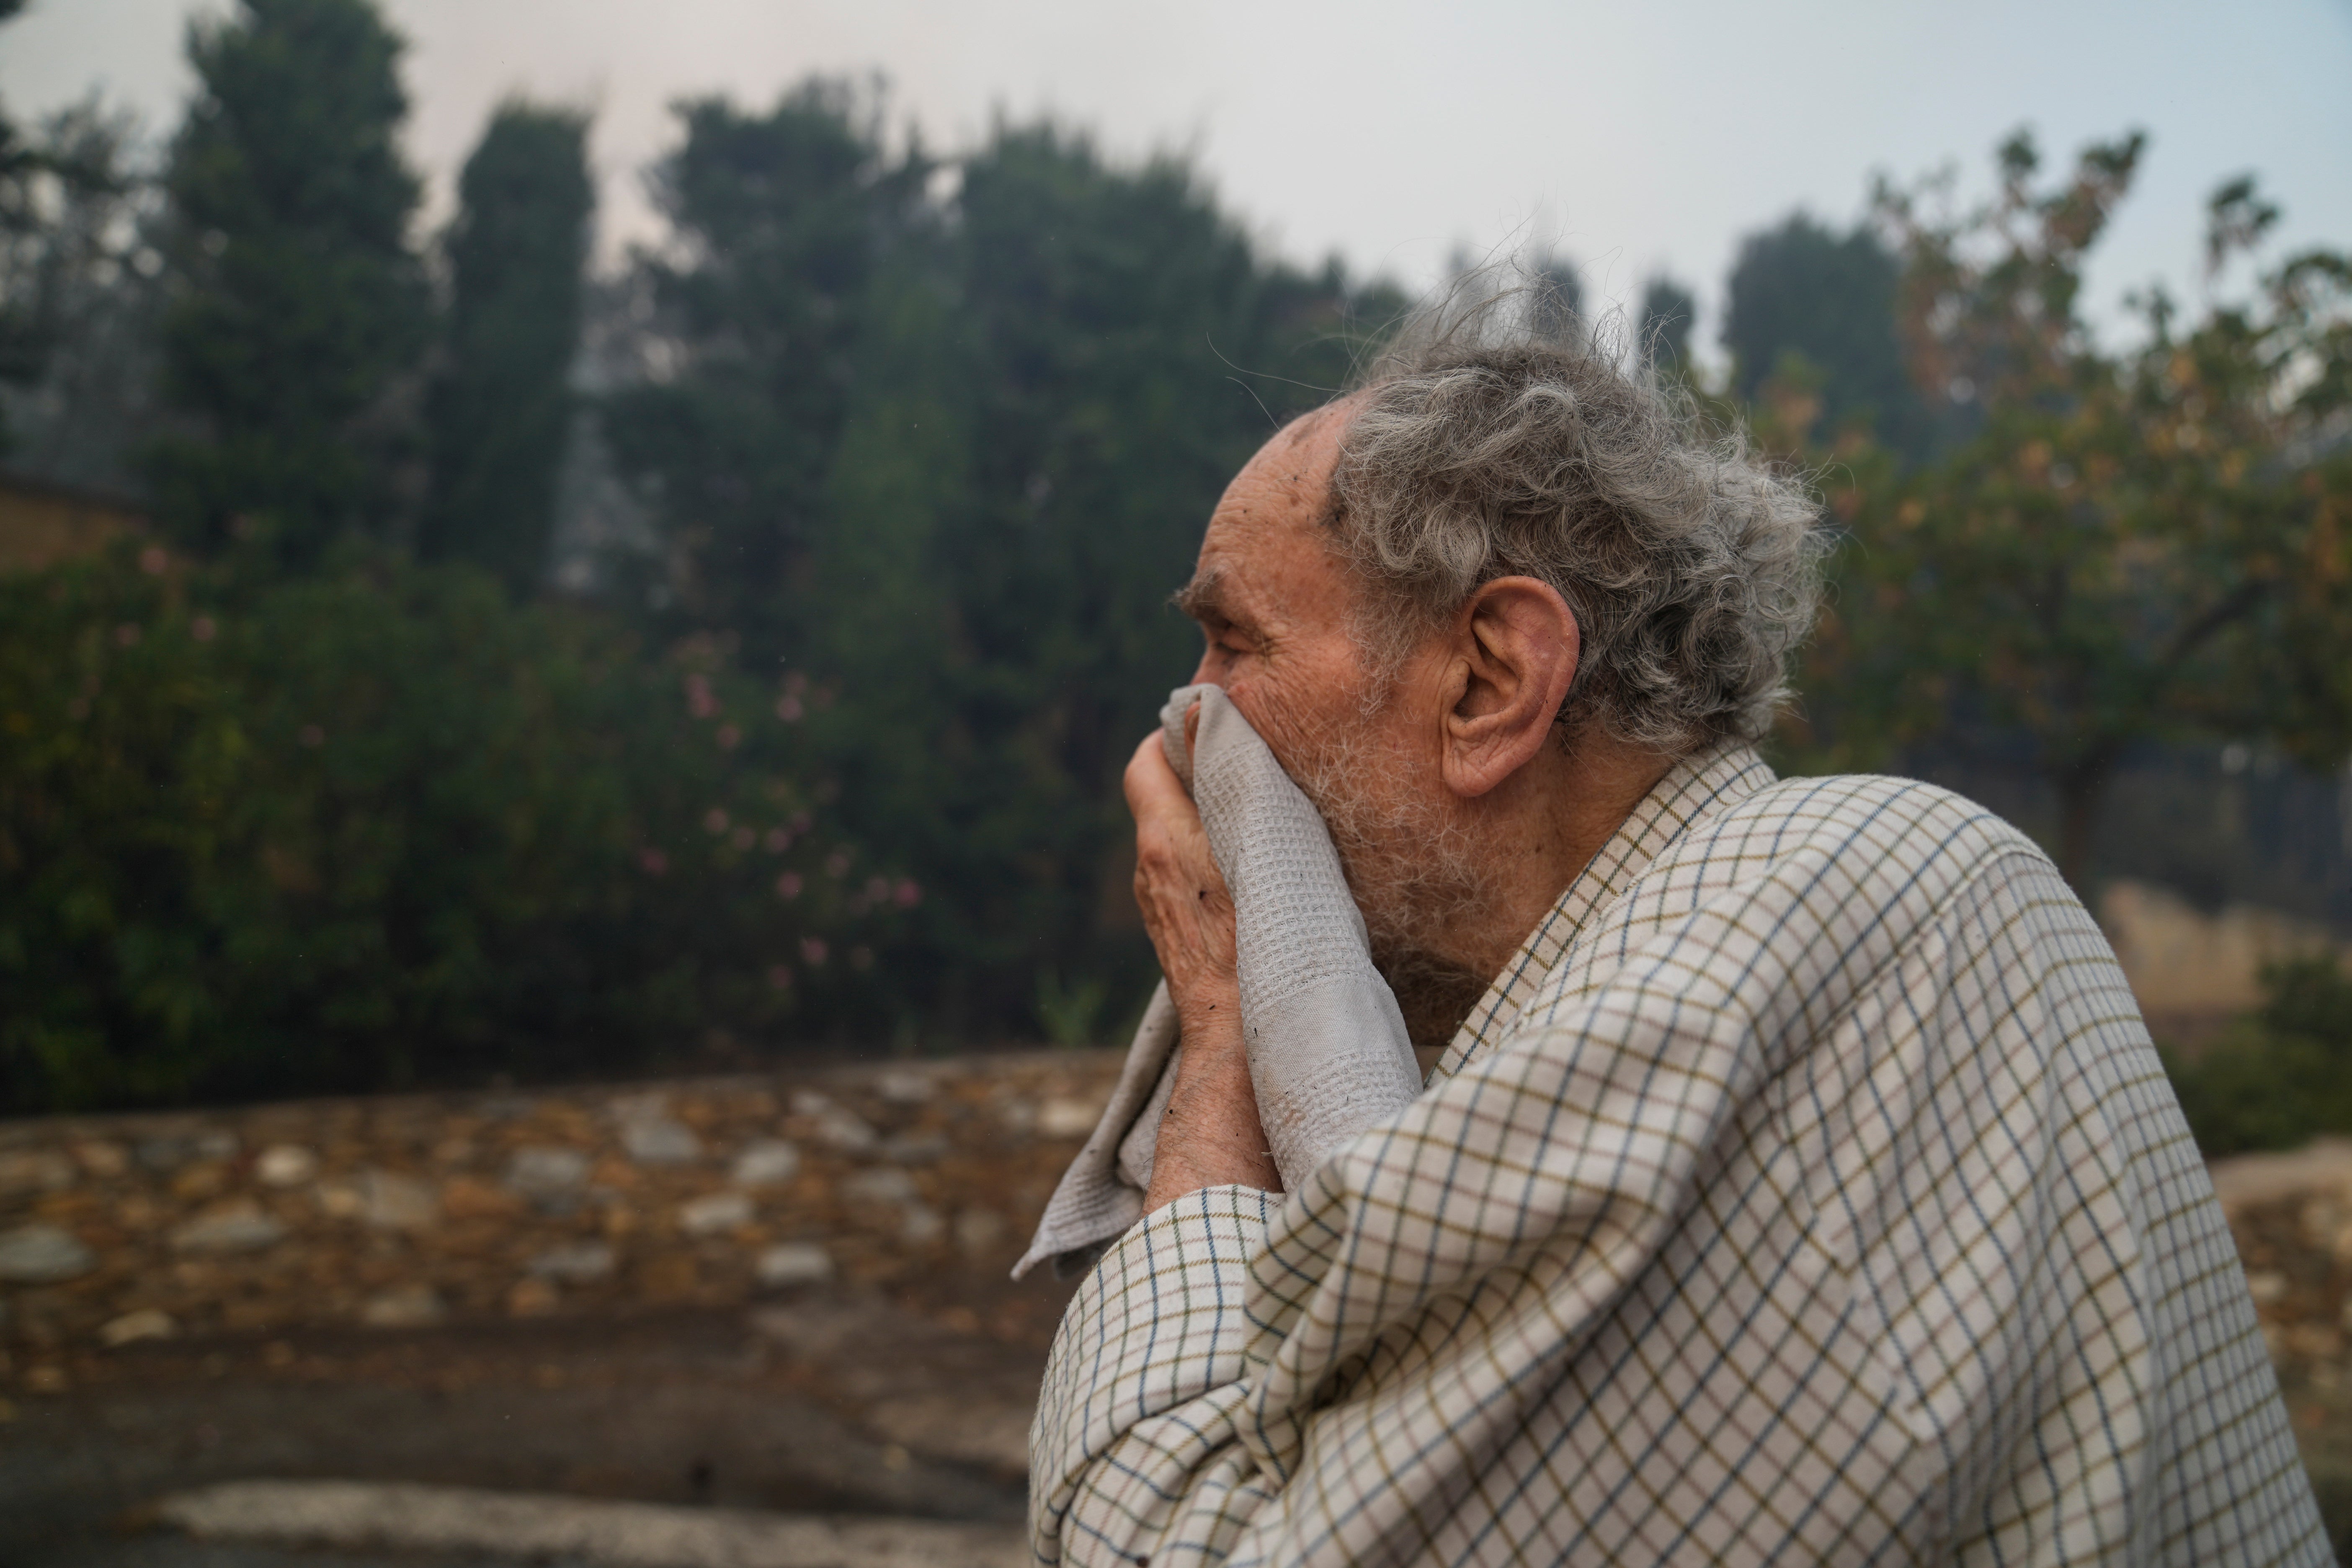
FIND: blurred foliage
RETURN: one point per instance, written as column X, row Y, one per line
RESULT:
column 81, row 296
column 377, row 825
column 500, row 403
column 929, row 445
column 1669, row 310
column 20, row 220
column 1807, row 304
column 1071, row 1015
column 783, row 219
column 70, row 201
column 925, row 442
column 949, row 456
column 2281, row 1077
column 2134, row 545
column 298, row 312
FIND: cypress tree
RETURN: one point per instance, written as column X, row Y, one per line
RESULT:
column 301, row 310
column 786, row 216
column 1801, row 292
column 1667, row 311
column 20, row 339
column 501, row 405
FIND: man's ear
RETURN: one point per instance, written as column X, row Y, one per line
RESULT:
column 1513, row 652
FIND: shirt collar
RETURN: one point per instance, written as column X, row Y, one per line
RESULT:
column 1696, row 786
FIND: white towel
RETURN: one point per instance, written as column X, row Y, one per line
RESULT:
column 1328, row 1052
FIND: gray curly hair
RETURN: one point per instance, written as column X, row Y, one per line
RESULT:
column 1495, row 438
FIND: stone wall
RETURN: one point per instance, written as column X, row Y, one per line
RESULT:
column 405, row 1210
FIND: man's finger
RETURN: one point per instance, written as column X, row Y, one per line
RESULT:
column 1152, row 787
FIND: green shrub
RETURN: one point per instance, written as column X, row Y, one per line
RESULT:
column 2281, row 1076
column 380, row 826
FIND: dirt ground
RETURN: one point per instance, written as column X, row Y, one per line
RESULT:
column 828, row 1400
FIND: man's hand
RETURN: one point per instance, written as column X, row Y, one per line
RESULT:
column 1211, row 1135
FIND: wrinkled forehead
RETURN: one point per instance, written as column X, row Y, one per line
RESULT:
column 1267, row 553
column 1297, row 460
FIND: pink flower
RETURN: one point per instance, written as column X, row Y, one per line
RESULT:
column 153, row 561
column 812, row 950
column 789, row 709
column 730, row 737
column 698, row 699
column 837, row 863
column 780, row 976
column 779, row 839
column 654, row 861
column 907, row 893
column 203, row 629
column 715, row 819
column 788, row 886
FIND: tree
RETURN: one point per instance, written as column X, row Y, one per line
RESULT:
column 781, row 220
column 1123, row 349
column 61, row 190
column 2137, row 545
column 1559, row 290
column 500, row 407
column 1668, row 313
column 299, row 311
column 936, row 464
column 77, row 275
column 1802, row 298
column 19, row 220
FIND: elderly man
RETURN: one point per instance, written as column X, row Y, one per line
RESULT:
column 1800, row 1186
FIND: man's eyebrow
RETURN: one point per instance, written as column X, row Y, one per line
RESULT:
column 1202, row 598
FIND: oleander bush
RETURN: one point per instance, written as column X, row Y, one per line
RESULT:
column 380, row 826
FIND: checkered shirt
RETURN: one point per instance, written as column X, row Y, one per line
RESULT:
column 1806, row 1190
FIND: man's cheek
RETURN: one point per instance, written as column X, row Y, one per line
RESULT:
column 1288, row 733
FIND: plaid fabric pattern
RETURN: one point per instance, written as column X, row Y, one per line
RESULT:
column 1805, row 1190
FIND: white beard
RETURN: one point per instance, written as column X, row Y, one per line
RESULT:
column 1414, row 870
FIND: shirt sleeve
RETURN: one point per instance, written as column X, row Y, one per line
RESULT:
column 1135, row 1418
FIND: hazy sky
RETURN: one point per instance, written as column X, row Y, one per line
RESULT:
column 1641, row 136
